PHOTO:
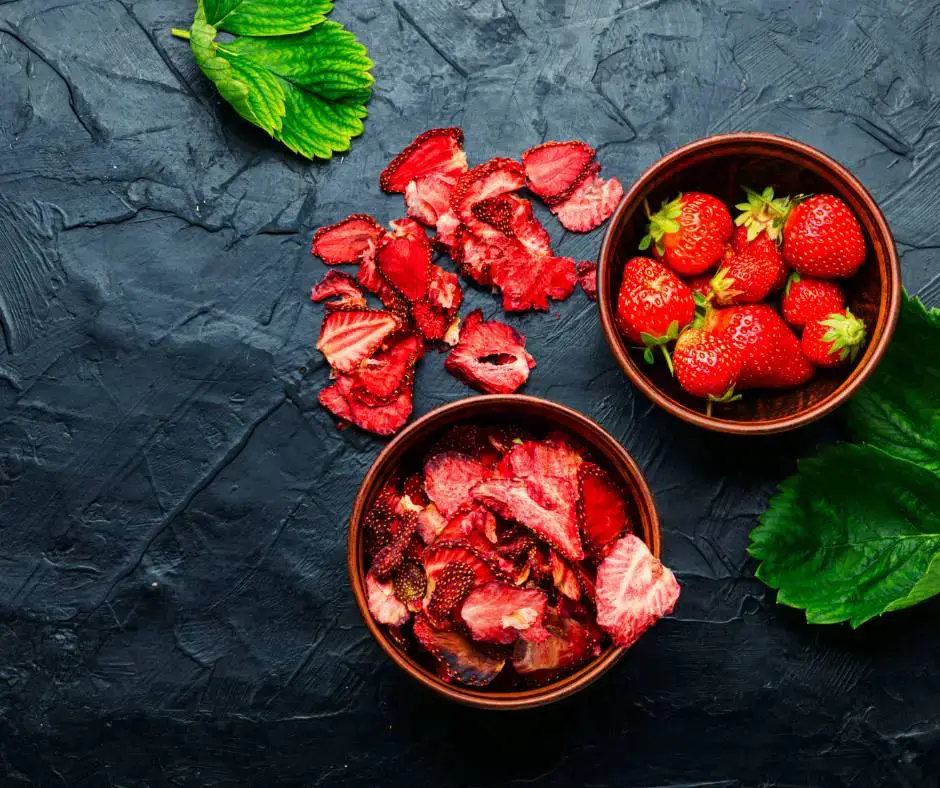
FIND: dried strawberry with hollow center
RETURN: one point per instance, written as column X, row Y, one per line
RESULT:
column 348, row 240
column 461, row 659
column 340, row 286
column 602, row 509
column 435, row 151
column 448, row 479
column 490, row 356
column 499, row 612
column 349, row 337
column 552, row 169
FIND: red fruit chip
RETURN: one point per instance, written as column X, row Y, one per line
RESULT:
column 490, row 179
column 465, row 523
column 387, row 371
column 431, row 523
column 552, row 169
column 405, row 262
column 459, row 658
column 479, row 257
column 590, row 204
column 490, row 356
column 564, row 577
column 444, row 291
column 349, row 337
column 373, row 281
column 556, row 457
column 389, row 557
column 527, row 282
column 602, row 509
column 634, row 590
column 448, row 478
column 451, row 587
column 447, row 226
column 430, row 321
column 342, row 287
column 499, row 612
column 436, row 150
column 384, row 419
column 563, row 644
column 348, row 240
column 428, row 197
column 441, row 553
column 587, row 277
column 513, row 217
column 384, row 606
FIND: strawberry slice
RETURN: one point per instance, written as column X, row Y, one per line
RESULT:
column 587, row 278
column 602, row 509
column 349, row 337
column 634, row 590
column 563, row 644
column 479, row 257
column 428, row 197
column 410, row 583
column 405, row 262
column 553, row 457
column 389, row 557
column 382, row 419
column 448, row 478
column 346, row 241
column 459, row 658
column 490, row 179
column 451, row 586
column 436, row 150
column 383, row 375
column 499, row 612
column 448, row 224
column 513, row 217
column 431, row 523
column 553, row 169
column 431, row 322
column 528, row 282
column 342, row 287
column 564, row 578
column 384, row 606
column 590, row 204
column 372, row 281
column 490, row 356
column 464, row 524
column 442, row 552
column 444, row 290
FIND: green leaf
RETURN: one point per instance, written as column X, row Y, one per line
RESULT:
column 898, row 409
column 854, row 534
column 265, row 17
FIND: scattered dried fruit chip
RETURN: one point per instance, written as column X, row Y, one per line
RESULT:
column 349, row 337
column 430, row 321
column 462, row 660
column 528, row 282
column 405, row 263
column 384, row 419
column 387, row 371
column 490, row 179
column 634, row 590
column 591, row 204
column 499, row 612
column 434, row 151
column 490, row 356
column 602, row 509
column 428, row 197
column 340, row 286
column 552, row 169
column 449, row 477
column 385, row 607
column 587, row 277
column 348, row 240
column 513, row 217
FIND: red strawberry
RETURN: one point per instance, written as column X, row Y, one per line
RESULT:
column 553, row 169
column 689, row 233
column 707, row 366
column 587, row 278
column 602, row 509
column 383, row 374
column 388, row 559
column 342, row 287
column 762, row 215
column 490, row 179
column 807, row 300
column 349, row 337
column 405, row 263
column 834, row 340
column 439, row 554
column 410, row 583
column 702, row 286
column 490, row 356
column 348, row 240
column 436, row 150
column 823, row 238
column 590, row 204
column 452, row 585
column 770, row 351
column 634, row 590
column 499, row 612
column 562, row 644
column 764, row 246
column 449, row 477
column 383, row 419
column 528, row 282
column 744, row 278
column 653, row 306
column 513, row 216
column 428, row 197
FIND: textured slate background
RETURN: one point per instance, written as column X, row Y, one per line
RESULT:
column 173, row 600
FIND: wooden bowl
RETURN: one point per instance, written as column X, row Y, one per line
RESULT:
column 721, row 165
column 412, row 442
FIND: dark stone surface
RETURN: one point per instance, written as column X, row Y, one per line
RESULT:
column 173, row 600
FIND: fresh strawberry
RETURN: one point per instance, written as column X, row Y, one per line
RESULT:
column 500, row 612
column 428, row 197
column 349, row 337
column 348, row 240
column 340, row 286
column 701, row 286
column 834, row 340
column 587, row 278
column 762, row 246
column 490, row 179
column 762, row 214
column 807, row 300
column 490, row 356
column 822, row 238
column 383, row 419
column 602, row 509
column 744, row 278
column 770, row 351
column 590, row 204
column 449, row 477
column 653, row 306
column 553, row 169
column 436, row 150
column 707, row 365
column 689, row 233
column 459, row 659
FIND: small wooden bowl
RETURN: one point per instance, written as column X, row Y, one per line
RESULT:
column 721, row 165
column 524, row 411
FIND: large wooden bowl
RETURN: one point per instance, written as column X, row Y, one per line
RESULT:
column 413, row 442
column 721, row 165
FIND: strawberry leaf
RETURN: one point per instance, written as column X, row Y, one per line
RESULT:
column 265, row 17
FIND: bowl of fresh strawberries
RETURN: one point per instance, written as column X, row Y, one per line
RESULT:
column 504, row 551
column 748, row 283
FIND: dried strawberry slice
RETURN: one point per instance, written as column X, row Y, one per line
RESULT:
column 436, row 150
column 490, row 179
column 602, row 509
column 410, row 584
column 405, row 262
column 564, row 578
column 587, row 278
column 432, row 323
column 385, row 419
column 528, row 282
column 350, row 336
column 532, row 459
column 461, row 659
column 499, row 612
column 348, row 240
column 590, row 204
column 342, row 287
column 451, row 587
column 475, row 520
column 513, row 217
column 431, row 523
column 553, row 168
column 441, row 553
column 372, row 280
column 448, row 224
column 478, row 258
column 490, row 356
column 428, row 197
column 562, row 644
column 444, row 291
column 387, row 371
column 634, row 590
column 413, row 487
column 448, row 478
column 389, row 557
column 384, row 606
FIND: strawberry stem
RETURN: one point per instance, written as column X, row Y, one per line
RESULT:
column 178, row 33
column 668, row 358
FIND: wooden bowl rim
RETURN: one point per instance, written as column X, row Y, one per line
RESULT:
column 474, row 407
column 888, row 313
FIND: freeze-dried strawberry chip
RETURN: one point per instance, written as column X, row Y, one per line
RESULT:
column 634, row 590
column 405, row 262
column 490, row 356
column 565, row 644
column 444, row 291
column 436, row 150
column 410, row 583
column 499, row 612
column 552, row 457
column 591, row 203
column 565, row 578
column 387, row 371
column 372, row 280
column 428, row 197
column 385, row 419
column 448, row 225
column 479, row 257
column 451, row 586
column 389, row 557
column 350, row 336
column 513, row 217
column 340, row 286
column 346, row 241
column 602, row 509
column 490, row 179
column 587, row 278
column 459, row 657
column 431, row 322
column 528, row 282
column 384, row 606
column 431, row 523
column 441, row 553
column 449, row 477
column 472, row 521
column 552, row 169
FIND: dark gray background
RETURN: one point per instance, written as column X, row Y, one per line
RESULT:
column 173, row 599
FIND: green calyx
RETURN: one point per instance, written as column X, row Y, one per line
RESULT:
column 792, row 280
column 846, row 334
column 652, row 343
column 763, row 213
column 723, row 288
column 665, row 220
column 728, row 396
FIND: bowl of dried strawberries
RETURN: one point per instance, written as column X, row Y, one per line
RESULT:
column 748, row 283
column 504, row 551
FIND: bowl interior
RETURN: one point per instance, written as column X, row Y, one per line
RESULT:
column 408, row 450
column 721, row 166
